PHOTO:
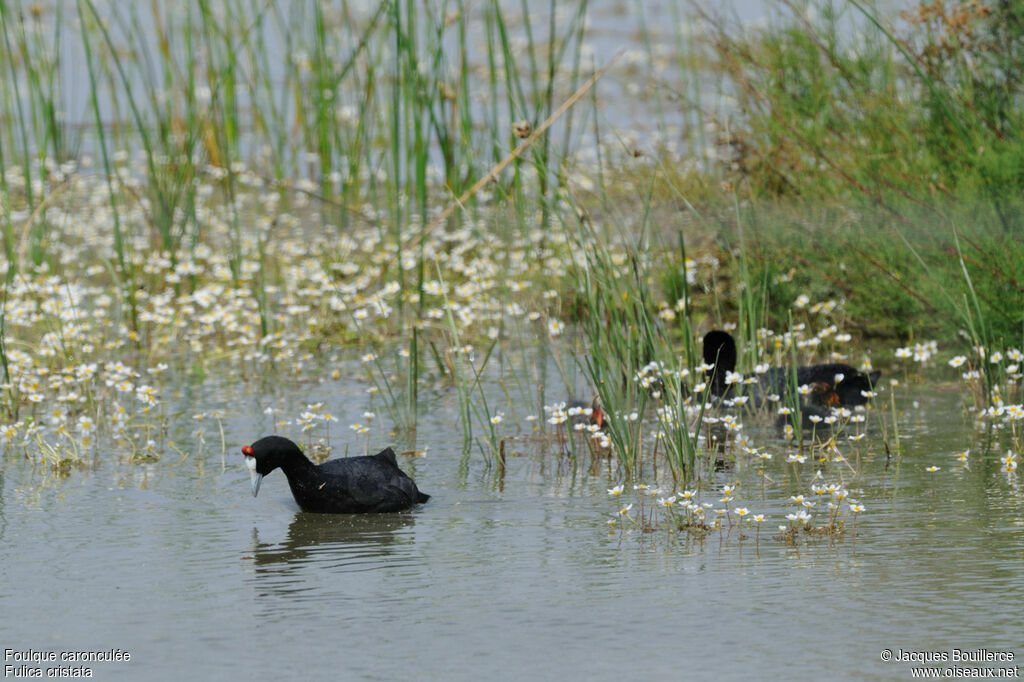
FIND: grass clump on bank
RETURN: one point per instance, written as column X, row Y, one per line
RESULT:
column 917, row 109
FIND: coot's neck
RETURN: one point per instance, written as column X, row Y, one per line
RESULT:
column 722, row 366
column 293, row 463
column 720, row 351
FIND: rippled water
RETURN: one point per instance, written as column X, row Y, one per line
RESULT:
column 513, row 577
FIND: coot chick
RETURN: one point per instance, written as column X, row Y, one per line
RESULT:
column 814, row 407
column 581, row 412
column 848, row 383
column 351, row 485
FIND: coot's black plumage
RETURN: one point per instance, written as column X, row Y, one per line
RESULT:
column 815, row 406
column 848, row 383
column 351, row 485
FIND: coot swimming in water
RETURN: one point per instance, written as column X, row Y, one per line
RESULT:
column 351, row 485
column 848, row 383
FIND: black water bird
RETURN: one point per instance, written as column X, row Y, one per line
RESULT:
column 848, row 384
column 351, row 485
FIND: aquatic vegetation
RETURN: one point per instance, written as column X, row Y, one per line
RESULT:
column 83, row 365
column 434, row 221
column 822, row 512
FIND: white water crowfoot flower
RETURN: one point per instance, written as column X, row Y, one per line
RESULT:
column 801, row 517
column 86, row 426
column 9, row 433
column 558, row 413
column 1009, row 462
column 616, row 491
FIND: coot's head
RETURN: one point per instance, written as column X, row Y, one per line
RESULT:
column 267, row 454
column 720, row 350
column 597, row 415
column 852, row 389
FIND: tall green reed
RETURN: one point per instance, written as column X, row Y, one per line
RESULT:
column 624, row 336
column 391, row 377
column 975, row 320
column 11, row 402
column 31, row 106
column 125, row 274
column 161, row 151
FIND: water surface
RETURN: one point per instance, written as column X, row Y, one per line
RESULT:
column 513, row 577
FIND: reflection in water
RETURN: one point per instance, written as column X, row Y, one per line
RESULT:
column 320, row 549
column 318, row 537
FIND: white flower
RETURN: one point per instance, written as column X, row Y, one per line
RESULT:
column 86, row 425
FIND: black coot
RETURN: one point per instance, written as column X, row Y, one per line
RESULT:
column 351, row 485
column 848, row 383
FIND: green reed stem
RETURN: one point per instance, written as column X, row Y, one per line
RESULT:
column 125, row 270
column 974, row 318
column 162, row 210
column 16, row 106
column 794, row 393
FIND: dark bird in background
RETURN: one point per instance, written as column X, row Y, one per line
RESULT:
column 842, row 384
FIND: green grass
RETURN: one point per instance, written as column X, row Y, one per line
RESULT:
column 835, row 103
